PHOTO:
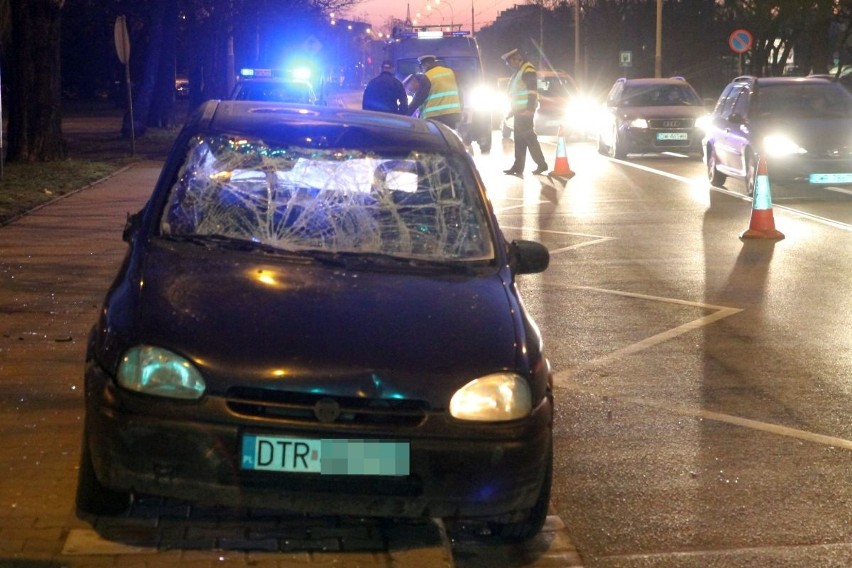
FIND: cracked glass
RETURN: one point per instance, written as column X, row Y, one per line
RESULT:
column 420, row 205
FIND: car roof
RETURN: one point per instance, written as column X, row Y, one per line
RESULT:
column 783, row 80
column 323, row 127
column 655, row 81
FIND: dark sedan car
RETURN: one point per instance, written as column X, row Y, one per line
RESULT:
column 644, row 116
column 318, row 312
column 801, row 126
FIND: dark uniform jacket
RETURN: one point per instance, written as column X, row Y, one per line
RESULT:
column 385, row 93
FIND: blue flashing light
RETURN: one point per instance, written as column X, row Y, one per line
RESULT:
column 302, row 73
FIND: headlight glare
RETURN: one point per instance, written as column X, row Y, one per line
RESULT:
column 781, row 145
column 638, row 123
column 493, row 398
column 159, row 372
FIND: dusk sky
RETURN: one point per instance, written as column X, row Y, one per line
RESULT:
column 377, row 12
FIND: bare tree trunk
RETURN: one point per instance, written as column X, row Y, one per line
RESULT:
column 35, row 117
column 162, row 114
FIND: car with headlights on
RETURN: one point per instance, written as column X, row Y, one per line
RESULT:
column 318, row 312
column 561, row 107
column 801, row 126
column 651, row 115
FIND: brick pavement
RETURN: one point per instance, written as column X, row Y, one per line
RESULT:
column 55, row 266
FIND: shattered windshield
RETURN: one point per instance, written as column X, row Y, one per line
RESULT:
column 420, row 205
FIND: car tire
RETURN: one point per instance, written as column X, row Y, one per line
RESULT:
column 617, row 150
column 750, row 173
column 93, row 498
column 527, row 528
column 602, row 149
column 485, row 144
column 716, row 178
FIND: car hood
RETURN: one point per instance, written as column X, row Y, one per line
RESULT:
column 255, row 319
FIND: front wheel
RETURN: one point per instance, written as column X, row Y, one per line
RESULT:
column 717, row 179
column 602, row 149
column 617, row 150
column 751, row 173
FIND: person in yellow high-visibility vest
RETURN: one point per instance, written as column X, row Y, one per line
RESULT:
column 438, row 96
column 523, row 95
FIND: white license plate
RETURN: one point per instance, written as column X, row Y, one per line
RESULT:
column 326, row 457
column 672, row 136
column 830, row 178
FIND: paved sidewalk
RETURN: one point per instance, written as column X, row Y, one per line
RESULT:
column 55, row 266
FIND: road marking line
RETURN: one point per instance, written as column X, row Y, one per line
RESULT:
column 562, row 379
column 596, row 239
column 839, row 189
column 817, row 218
column 721, row 312
column 647, row 558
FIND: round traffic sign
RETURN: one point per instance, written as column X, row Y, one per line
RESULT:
column 740, row 41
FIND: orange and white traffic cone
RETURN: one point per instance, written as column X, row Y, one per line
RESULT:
column 561, row 167
column 762, row 224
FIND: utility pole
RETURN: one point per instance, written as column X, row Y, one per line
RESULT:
column 658, row 55
column 577, row 65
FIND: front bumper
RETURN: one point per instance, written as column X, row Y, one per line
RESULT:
column 191, row 451
column 651, row 140
column 811, row 171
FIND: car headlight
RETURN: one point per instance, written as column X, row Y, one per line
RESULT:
column 159, row 372
column 638, row 123
column 486, row 99
column 584, row 113
column 493, row 398
column 703, row 122
column 781, row 145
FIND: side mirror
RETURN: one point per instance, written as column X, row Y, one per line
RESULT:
column 528, row 257
column 131, row 226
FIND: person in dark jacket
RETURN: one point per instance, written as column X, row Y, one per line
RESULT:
column 385, row 92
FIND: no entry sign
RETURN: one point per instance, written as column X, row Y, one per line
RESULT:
column 740, row 41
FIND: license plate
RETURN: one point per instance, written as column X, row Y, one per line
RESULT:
column 672, row 136
column 830, row 178
column 325, row 456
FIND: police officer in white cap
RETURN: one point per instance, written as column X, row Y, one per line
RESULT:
column 437, row 96
column 523, row 96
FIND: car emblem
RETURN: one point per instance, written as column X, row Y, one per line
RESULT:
column 670, row 123
column 326, row 410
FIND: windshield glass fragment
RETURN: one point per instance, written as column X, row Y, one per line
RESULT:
column 420, row 206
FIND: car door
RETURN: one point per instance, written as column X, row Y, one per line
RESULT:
column 732, row 139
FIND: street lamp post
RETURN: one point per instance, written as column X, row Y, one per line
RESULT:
column 452, row 12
